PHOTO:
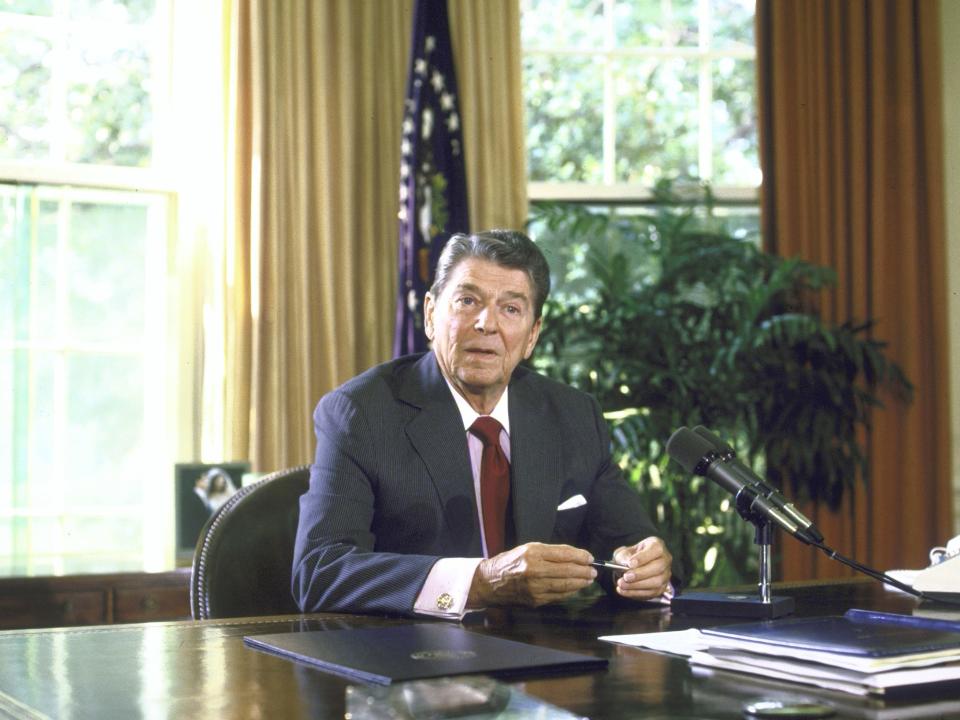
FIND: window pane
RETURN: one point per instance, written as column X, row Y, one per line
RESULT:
column 27, row 265
column 102, row 536
column 562, row 23
column 27, row 7
column 9, row 271
column 35, row 428
column 657, row 23
column 670, row 91
column 106, row 271
column 104, row 431
column 108, row 98
column 25, row 101
column 733, row 23
column 123, row 11
column 736, row 159
column 656, row 120
column 44, row 322
column 10, row 442
column 564, row 118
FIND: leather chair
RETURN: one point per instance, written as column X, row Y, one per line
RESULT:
column 242, row 562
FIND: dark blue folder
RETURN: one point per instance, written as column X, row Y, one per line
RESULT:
column 414, row 652
column 862, row 634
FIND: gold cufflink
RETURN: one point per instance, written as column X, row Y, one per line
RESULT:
column 445, row 601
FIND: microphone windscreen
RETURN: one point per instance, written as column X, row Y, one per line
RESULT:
column 713, row 439
column 688, row 448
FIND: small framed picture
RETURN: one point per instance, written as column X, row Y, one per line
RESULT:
column 201, row 488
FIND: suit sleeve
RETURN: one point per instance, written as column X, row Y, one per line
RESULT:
column 336, row 566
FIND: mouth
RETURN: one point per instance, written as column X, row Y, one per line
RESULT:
column 481, row 353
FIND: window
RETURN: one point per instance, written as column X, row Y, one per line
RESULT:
column 623, row 93
column 85, row 236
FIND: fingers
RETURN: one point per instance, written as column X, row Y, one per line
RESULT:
column 533, row 574
column 559, row 553
column 560, row 561
column 650, row 566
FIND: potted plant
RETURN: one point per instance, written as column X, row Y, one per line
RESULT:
column 670, row 319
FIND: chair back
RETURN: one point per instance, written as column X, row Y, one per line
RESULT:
column 243, row 559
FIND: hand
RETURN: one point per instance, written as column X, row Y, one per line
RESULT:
column 649, row 575
column 533, row 574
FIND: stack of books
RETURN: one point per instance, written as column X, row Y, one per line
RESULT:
column 862, row 652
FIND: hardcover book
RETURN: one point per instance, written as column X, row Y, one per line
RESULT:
column 414, row 652
column 863, row 637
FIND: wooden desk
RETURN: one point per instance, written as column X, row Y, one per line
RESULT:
column 203, row 669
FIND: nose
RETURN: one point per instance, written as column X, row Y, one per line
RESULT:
column 486, row 320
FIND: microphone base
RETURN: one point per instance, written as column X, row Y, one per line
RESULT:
column 731, row 605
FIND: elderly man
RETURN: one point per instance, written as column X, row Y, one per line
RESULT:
column 455, row 479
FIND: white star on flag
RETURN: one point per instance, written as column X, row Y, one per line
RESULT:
column 437, row 81
column 453, row 122
column 446, row 101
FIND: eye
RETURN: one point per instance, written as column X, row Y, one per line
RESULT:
column 513, row 310
column 466, row 301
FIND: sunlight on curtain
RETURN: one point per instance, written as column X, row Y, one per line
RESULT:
column 486, row 45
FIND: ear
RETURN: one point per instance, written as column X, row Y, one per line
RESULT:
column 534, row 336
column 428, row 307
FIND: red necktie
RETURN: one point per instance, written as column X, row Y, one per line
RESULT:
column 494, row 482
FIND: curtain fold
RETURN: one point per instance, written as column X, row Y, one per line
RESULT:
column 487, row 52
column 851, row 151
column 316, row 102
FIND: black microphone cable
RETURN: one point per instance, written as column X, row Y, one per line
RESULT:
column 881, row 576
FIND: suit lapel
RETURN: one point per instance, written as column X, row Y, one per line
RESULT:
column 535, row 462
column 436, row 433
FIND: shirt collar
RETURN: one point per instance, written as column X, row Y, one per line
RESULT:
column 501, row 411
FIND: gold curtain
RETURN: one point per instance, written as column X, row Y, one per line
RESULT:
column 311, row 266
column 851, row 151
column 487, row 54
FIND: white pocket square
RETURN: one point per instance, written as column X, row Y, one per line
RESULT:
column 572, row 502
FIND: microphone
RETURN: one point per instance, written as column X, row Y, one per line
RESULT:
column 771, row 493
column 702, row 453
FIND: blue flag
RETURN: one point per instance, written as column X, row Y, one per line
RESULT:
column 433, row 185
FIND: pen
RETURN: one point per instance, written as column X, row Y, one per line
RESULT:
column 610, row 565
column 914, row 621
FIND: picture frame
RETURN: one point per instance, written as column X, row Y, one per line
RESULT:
column 200, row 488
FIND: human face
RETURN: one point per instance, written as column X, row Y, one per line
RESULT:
column 482, row 325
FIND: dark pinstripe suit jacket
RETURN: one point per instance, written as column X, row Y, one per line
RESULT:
column 391, row 489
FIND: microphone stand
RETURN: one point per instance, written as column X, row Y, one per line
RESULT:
column 765, row 605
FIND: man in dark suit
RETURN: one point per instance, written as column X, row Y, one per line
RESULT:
column 454, row 479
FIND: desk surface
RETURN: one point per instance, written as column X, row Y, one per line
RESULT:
column 203, row 669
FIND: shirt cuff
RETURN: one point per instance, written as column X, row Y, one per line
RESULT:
column 445, row 592
column 668, row 595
